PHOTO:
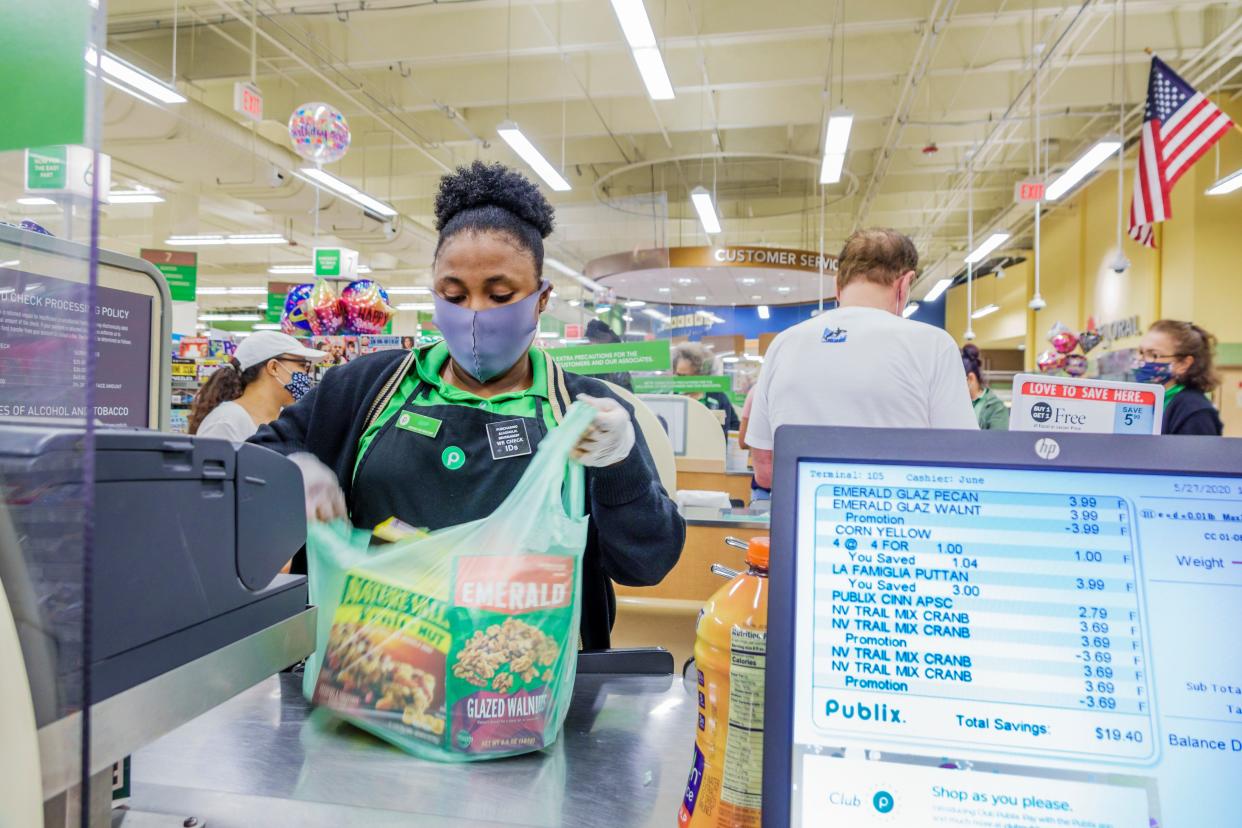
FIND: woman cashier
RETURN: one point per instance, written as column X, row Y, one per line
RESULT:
column 439, row 435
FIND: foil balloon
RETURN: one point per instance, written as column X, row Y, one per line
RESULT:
column 1087, row 340
column 1050, row 361
column 323, row 310
column 319, row 133
column 1075, row 365
column 293, row 319
column 1064, row 341
column 366, row 308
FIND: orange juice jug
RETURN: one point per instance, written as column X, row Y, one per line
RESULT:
column 726, row 782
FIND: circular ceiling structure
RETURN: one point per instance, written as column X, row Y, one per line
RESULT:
column 717, row 276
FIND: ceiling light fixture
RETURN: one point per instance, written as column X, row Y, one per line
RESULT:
column 702, row 201
column 636, row 26
column 255, row 290
column 265, row 326
column 1228, row 184
column 836, row 140
column 230, row 317
column 305, row 270
column 135, row 196
column 937, row 290
column 590, row 284
column 989, row 244
column 131, row 79
column 408, row 291
column 416, row 306
column 979, row 313
column 756, row 297
column 700, row 298
column 784, row 289
column 330, row 182
column 655, row 314
column 909, row 309
column 520, row 144
column 602, row 309
column 36, row 201
column 764, row 312
column 1081, row 168
column 635, row 303
column 234, row 239
column 666, row 290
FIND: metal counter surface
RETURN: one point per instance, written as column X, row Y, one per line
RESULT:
column 265, row 758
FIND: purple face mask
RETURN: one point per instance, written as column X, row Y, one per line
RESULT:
column 488, row 343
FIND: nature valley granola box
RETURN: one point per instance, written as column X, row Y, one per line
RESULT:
column 515, row 623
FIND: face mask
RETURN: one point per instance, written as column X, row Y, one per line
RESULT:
column 1156, row 372
column 299, row 384
column 488, row 343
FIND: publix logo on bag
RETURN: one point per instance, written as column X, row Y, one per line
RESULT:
column 835, row 335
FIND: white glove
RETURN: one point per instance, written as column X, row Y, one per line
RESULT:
column 611, row 436
column 324, row 499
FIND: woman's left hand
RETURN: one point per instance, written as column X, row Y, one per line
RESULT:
column 611, row 436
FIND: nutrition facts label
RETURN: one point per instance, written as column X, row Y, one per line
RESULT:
column 950, row 611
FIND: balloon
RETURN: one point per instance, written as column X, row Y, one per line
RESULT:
column 323, row 310
column 319, row 133
column 366, row 308
column 1059, row 327
column 1064, row 342
column 293, row 320
column 1050, row 361
column 1088, row 339
column 1075, row 365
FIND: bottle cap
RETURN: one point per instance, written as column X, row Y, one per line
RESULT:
column 757, row 551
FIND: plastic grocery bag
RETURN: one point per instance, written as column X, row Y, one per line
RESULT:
column 461, row 644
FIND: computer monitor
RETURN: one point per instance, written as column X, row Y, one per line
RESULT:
column 1004, row 629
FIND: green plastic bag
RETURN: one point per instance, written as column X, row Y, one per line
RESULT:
column 462, row 644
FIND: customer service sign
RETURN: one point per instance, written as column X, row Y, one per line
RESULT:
column 1066, row 404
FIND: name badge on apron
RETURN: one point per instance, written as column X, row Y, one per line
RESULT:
column 508, row 438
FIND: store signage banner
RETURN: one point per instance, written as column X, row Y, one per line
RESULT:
column 180, row 269
column 42, row 49
column 1065, row 404
column 611, row 358
column 336, row 263
column 277, row 292
column 66, row 170
column 744, row 256
column 682, row 385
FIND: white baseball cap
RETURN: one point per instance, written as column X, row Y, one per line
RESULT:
column 261, row 346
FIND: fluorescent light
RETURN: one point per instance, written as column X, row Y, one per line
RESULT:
column 231, row 291
column 628, row 318
column 230, row 317
column 416, row 306
column 756, row 297
column 655, row 314
column 557, row 264
column 636, row 26
column 729, row 360
column 685, row 281
column 666, row 290
column 409, row 291
column 937, row 289
column 784, row 289
column 909, row 309
column 520, row 144
column 764, row 312
column 602, row 309
column 700, row 298
column 989, row 244
column 1228, row 184
column 749, row 281
column 979, row 313
column 1081, row 168
column 134, row 78
column 266, row 326
column 136, row 196
column 836, row 140
column 635, row 303
column 36, row 201
column 330, row 182
column 702, row 201
column 233, row 239
column 573, row 303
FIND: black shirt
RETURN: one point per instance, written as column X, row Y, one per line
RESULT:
column 1191, row 412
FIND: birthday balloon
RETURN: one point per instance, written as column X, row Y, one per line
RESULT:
column 319, row 133
column 1088, row 339
column 1050, row 361
column 1075, row 365
column 366, row 308
column 1064, row 342
column 293, row 320
column 323, row 310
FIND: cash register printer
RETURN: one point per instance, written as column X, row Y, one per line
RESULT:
column 189, row 536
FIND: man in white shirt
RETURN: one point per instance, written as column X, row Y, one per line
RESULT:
column 861, row 363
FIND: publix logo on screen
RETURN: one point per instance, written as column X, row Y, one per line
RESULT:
column 863, row 712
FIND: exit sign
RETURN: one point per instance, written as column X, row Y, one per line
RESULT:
column 1028, row 191
column 247, row 101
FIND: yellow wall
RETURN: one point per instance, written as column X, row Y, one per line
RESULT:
column 1195, row 273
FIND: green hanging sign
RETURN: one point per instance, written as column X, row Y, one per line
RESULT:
column 180, row 270
column 682, row 385
column 42, row 61
column 612, row 358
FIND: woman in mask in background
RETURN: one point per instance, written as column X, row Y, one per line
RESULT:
column 1178, row 356
column 269, row 371
column 440, row 435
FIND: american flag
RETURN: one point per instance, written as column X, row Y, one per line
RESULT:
column 1179, row 125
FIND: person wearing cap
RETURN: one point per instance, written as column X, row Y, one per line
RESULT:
column 269, row 371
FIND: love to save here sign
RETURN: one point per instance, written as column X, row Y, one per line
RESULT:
column 1066, row 404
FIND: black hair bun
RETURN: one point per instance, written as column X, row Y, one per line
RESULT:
column 971, row 351
column 492, row 185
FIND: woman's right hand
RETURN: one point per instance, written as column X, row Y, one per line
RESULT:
column 324, row 499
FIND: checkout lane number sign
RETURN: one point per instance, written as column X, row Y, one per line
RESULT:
column 1065, row 404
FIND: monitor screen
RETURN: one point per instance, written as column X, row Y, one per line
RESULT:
column 1002, row 647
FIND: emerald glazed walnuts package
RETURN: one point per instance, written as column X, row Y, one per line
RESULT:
column 461, row 644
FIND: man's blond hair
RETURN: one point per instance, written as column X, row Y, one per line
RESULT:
column 877, row 254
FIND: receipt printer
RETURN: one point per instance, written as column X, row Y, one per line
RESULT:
column 187, row 537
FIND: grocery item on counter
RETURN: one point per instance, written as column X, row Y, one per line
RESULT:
column 460, row 644
column 725, row 789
